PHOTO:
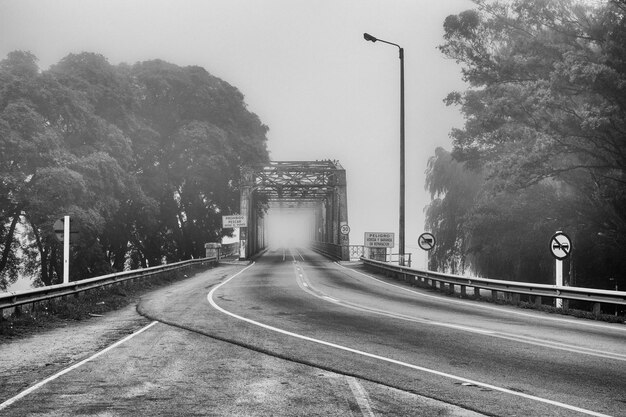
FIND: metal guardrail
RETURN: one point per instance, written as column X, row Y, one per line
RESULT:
column 592, row 295
column 16, row 299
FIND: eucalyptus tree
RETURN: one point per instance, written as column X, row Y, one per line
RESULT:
column 545, row 118
column 197, row 133
column 144, row 158
column 454, row 190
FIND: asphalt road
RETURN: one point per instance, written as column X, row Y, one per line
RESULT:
column 296, row 334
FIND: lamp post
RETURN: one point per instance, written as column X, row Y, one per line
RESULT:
column 371, row 38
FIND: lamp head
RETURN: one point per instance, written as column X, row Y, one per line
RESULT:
column 369, row 37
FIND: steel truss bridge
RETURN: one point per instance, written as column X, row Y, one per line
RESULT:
column 318, row 186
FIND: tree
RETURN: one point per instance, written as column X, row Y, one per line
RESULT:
column 197, row 133
column 144, row 158
column 548, row 96
column 453, row 190
column 545, row 121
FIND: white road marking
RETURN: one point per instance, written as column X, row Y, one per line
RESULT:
column 389, row 360
column 299, row 254
column 71, row 368
column 361, row 396
column 516, row 338
column 486, row 307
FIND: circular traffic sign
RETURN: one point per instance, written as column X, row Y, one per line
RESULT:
column 560, row 245
column 345, row 229
column 426, row 241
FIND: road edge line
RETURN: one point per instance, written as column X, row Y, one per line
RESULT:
column 487, row 307
column 71, row 368
column 393, row 361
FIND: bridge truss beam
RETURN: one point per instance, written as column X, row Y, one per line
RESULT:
column 320, row 185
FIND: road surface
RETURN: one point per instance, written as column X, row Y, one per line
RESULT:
column 297, row 334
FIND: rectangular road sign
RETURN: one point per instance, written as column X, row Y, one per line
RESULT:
column 379, row 240
column 234, row 221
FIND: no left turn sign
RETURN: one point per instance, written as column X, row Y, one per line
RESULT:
column 426, row 241
column 560, row 245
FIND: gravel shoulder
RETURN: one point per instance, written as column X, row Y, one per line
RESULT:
column 28, row 360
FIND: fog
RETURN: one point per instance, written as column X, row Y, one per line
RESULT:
column 289, row 227
column 304, row 69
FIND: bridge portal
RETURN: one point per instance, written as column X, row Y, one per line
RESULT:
column 315, row 190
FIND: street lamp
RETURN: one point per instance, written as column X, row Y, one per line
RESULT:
column 371, row 38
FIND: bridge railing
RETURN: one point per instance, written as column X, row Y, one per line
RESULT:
column 36, row 295
column 331, row 250
column 513, row 288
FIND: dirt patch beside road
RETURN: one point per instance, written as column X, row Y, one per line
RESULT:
column 27, row 360
column 40, row 346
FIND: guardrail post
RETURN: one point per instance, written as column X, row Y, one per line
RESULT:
column 597, row 309
column 463, row 291
column 494, row 295
column 451, row 288
column 476, row 292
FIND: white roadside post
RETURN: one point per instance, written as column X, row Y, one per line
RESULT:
column 560, row 247
column 66, row 249
column 62, row 231
column 559, row 281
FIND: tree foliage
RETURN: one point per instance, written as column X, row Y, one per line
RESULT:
column 144, row 158
column 545, row 129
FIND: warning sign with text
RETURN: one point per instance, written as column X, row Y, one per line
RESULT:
column 379, row 240
column 234, row 221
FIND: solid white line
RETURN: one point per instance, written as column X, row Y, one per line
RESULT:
column 361, row 396
column 389, row 360
column 485, row 307
column 71, row 368
column 491, row 333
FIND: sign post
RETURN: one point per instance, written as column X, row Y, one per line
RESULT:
column 62, row 230
column 66, row 249
column 560, row 247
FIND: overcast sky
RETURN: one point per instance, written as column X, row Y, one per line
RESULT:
column 304, row 69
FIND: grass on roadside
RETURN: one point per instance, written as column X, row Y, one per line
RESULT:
column 30, row 319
